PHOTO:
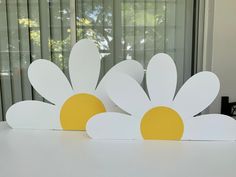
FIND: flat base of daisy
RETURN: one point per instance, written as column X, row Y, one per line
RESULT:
column 162, row 123
column 78, row 109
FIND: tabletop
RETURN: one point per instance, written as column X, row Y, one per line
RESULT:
column 37, row 153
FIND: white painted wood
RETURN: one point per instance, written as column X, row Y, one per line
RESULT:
column 128, row 94
column 84, row 66
column 114, row 126
column 70, row 153
column 33, row 115
column 196, row 94
column 49, row 81
column 130, row 67
column 210, row 127
column 161, row 79
column 52, row 84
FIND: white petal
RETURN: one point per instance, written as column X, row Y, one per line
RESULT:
column 49, row 81
column 126, row 92
column 197, row 94
column 161, row 79
column 113, row 126
column 210, row 127
column 130, row 67
column 84, row 66
column 33, row 115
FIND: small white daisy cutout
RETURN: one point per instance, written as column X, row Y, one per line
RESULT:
column 75, row 102
column 162, row 114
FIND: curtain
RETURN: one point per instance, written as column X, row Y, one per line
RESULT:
column 122, row 29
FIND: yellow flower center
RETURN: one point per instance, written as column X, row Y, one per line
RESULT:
column 78, row 109
column 162, row 123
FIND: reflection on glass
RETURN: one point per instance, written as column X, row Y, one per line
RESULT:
column 122, row 29
column 30, row 30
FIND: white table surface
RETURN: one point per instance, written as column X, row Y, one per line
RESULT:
column 34, row 153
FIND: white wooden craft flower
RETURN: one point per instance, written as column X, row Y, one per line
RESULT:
column 73, row 104
column 163, row 115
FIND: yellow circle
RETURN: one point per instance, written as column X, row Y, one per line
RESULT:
column 78, row 109
column 162, row 123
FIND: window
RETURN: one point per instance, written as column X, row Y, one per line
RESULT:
column 122, row 29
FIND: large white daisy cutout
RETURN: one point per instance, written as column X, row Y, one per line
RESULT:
column 163, row 115
column 73, row 104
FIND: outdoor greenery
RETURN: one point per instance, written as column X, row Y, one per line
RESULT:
column 139, row 20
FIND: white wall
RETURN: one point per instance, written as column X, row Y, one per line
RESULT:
column 223, row 61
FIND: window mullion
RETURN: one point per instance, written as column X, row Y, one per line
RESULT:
column 117, row 30
column 73, row 21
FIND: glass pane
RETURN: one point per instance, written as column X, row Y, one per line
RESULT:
column 137, row 29
column 30, row 30
column 122, row 29
column 94, row 20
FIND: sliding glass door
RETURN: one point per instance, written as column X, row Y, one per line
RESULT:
column 122, row 29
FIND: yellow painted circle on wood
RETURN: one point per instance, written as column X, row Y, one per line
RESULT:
column 162, row 123
column 78, row 109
